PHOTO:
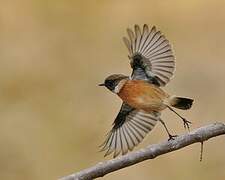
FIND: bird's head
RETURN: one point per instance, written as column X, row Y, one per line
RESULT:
column 115, row 82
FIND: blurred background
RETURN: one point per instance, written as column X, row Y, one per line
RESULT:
column 54, row 53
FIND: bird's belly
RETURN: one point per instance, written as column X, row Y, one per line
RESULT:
column 145, row 102
column 143, row 97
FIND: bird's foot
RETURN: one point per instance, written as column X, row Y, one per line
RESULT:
column 186, row 124
column 172, row 137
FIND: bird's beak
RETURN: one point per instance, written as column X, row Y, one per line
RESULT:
column 102, row 84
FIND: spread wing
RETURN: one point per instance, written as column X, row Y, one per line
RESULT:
column 129, row 129
column 151, row 55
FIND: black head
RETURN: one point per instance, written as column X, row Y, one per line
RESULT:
column 112, row 81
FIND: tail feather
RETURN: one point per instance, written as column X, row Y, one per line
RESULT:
column 181, row 103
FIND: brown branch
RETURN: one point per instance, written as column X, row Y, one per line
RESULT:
column 199, row 135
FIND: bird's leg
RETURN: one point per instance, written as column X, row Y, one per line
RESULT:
column 171, row 137
column 186, row 122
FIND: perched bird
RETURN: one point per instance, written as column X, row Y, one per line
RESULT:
column 153, row 64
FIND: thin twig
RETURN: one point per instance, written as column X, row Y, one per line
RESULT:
column 199, row 135
column 201, row 152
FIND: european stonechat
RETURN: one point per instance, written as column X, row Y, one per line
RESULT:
column 153, row 63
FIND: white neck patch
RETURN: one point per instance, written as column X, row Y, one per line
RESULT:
column 119, row 86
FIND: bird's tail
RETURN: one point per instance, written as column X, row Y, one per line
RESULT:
column 180, row 102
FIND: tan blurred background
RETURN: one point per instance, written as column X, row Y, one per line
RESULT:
column 53, row 54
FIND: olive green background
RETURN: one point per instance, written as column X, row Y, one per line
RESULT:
column 53, row 54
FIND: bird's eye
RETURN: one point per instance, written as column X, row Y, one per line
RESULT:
column 110, row 84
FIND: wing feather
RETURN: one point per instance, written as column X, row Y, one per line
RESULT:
column 128, row 45
column 125, row 142
column 148, row 50
column 130, row 140
column 129, row 129
column 132, row 39
column 138, row 37
column 144, row 36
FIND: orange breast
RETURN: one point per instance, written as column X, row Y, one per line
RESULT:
column 142, row 95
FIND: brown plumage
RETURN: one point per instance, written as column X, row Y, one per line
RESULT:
column 142, row 95
column 153, row 64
